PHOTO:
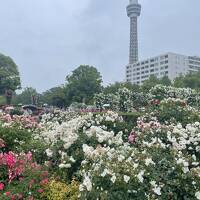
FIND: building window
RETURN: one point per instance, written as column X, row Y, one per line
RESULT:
column 156, row 64
column 162, row 57
column 162, row 62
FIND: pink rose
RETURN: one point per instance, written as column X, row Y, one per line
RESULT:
column 40, row 190
column 2, row 186
column 132, row 138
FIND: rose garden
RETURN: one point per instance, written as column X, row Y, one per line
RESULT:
column 145, row 146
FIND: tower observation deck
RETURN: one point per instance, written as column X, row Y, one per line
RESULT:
column 133, row 12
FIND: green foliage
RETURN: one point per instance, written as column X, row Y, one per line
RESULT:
column 28, row 179
column 153, row 81
column 9, row 74
column 113, row 88
column 57, row 190
column 124, row 100
column 2, row 100
column 55, row 96
column 82, row 84
column 149, row 83
column 25, row 97
column 174, row 111
column 130, row 118
column 165, row 81
column 18, row 139
column 191, row 80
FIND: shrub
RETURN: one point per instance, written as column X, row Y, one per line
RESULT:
column 162, row 163
column 65, row 140
column 21, row 178
column 173, row 111
column 57, row 190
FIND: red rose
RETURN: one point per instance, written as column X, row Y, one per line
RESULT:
column 7, row 194
column 13, row 197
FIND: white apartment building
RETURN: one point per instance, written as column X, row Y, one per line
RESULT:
column 169, row 64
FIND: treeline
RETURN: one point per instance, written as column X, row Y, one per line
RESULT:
column 86, row 81
column 80, row 86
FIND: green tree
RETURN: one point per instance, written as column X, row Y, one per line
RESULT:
column 179, row 81
column 165, row 81
column 9, row 77
column 191, row 80
column 113, row 88
column 82, row 84
column 149, row 83
column 55, row 97
column 26, row 97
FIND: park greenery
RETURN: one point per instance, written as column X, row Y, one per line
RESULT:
column 137, row 142
column 9, row 77
column 80, row 86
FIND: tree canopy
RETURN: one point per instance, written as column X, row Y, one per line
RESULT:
column 9, row 74
column 26, row 96
column 191, row 80
column 82, row 84
column 153, row 81
column 113, row 88
column 55, row 97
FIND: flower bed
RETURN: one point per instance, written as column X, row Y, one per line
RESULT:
column 153, row 153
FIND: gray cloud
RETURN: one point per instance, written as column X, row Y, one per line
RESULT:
column 50, row 38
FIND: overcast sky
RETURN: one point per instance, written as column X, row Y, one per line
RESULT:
column 50, row 38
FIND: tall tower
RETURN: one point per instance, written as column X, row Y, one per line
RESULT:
column 133, row 11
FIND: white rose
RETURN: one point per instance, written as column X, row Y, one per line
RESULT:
column 197, row 195
column 126, row 178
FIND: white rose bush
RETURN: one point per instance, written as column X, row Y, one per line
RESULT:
column 161, row 163
column 156, row 156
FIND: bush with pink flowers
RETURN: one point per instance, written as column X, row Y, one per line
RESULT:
column 20, row 177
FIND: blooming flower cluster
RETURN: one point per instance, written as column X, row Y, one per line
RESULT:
column 19, row 170
column 152, row 155
column 27, row 122
column 124, row 100
column 73, row 132
column 189, row 95
column 144, row 168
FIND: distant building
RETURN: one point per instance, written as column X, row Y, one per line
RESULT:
column 169, row 64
